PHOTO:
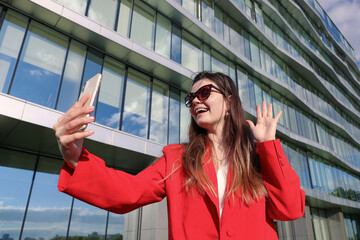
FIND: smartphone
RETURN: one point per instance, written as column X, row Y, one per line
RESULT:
column 91, row 87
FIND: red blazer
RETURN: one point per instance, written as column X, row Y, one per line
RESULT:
column 191, row 215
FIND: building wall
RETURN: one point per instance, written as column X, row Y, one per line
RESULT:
column 284, row 52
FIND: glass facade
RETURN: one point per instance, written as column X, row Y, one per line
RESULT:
column 48, row 67
column 31, row 207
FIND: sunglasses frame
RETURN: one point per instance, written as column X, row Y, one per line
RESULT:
column 188, row 103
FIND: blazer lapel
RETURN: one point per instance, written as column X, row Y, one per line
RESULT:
column 209, row 169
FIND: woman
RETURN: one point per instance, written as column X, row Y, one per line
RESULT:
column 220, row 185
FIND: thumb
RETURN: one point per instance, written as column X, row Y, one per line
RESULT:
column 251, row 124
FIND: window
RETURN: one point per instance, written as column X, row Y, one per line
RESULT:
column 236, row 37
column 176, row 44
column 243, row 86
column 174, row 116
column 93, row 66
column 11, row 36
column 87, row 221
column 124, row 17
column 38, row 74
column 49, row 210
column 159, row 112
column 137, row 104
column 191, row 54
column 16, row 172
column 103, row 12
column 219, row 29
column 143, row 25
column 219, row 63
column 191, row 6
column 78, row 6
column 255, row 54
column 207, row 13
column 71, row 81
column 110, row 93
column 163, row 36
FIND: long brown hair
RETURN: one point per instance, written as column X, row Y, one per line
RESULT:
column 239, row 145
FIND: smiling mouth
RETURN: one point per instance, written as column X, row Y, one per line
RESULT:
column 200, row 110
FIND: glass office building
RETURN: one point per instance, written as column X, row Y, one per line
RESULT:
column 287, row 52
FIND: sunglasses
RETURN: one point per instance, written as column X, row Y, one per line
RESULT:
column 202, row 94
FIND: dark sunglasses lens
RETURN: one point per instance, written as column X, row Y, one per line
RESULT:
column 204, row 92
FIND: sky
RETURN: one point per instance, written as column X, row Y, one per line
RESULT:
column 346, row 16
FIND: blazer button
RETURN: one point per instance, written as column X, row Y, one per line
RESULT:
column 230, row 232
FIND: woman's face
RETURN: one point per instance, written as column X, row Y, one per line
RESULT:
column 209, row 114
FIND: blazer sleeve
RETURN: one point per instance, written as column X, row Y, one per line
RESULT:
column 110, row 189
column 286, row 200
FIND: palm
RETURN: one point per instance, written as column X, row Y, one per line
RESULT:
column 265, row 128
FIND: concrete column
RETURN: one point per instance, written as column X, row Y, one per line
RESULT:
column 336, row 224
column 155, row 221
column 299, row 229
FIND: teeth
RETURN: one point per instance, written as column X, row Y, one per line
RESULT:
column 200, row 110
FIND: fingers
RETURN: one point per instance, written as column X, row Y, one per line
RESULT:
column 258, row 111
column 278, row 115
column 77, row 110
column 251, row 124
column 66, row 140
column 264, row 109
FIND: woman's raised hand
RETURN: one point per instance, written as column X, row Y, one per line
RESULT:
column 265, row 127
column 70, row 139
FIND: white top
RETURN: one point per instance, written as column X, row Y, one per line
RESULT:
column 221, row 180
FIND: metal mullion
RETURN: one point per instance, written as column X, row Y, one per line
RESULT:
column 70, row 216
column 62, row 74
column 117, row 15
column 83, row 72
column 29, row 197
column 106, row 225
column 87, row 7
column 96, row 103
column 150, row 103
column 155, row 28
column 123, row 95
column 131, row 17
column 308, row 165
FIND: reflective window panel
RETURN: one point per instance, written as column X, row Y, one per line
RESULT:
column 174, row 115
column 49, row 210
column 11, row 37
column 110, row 93
column 163, row 36
column 87, row 221
column 143, row 25
column 103, row 12
column 16, row 172
column 74, row 66
column 137, row 104
column 40, row 67
column 159, row 112
column 124, row 18
column 191, row 53
column 78, row 5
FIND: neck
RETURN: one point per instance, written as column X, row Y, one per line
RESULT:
column 216, row 138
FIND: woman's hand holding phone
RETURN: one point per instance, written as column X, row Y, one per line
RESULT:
column 69, row 138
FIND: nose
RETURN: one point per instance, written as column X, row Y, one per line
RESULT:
column 195, row 101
